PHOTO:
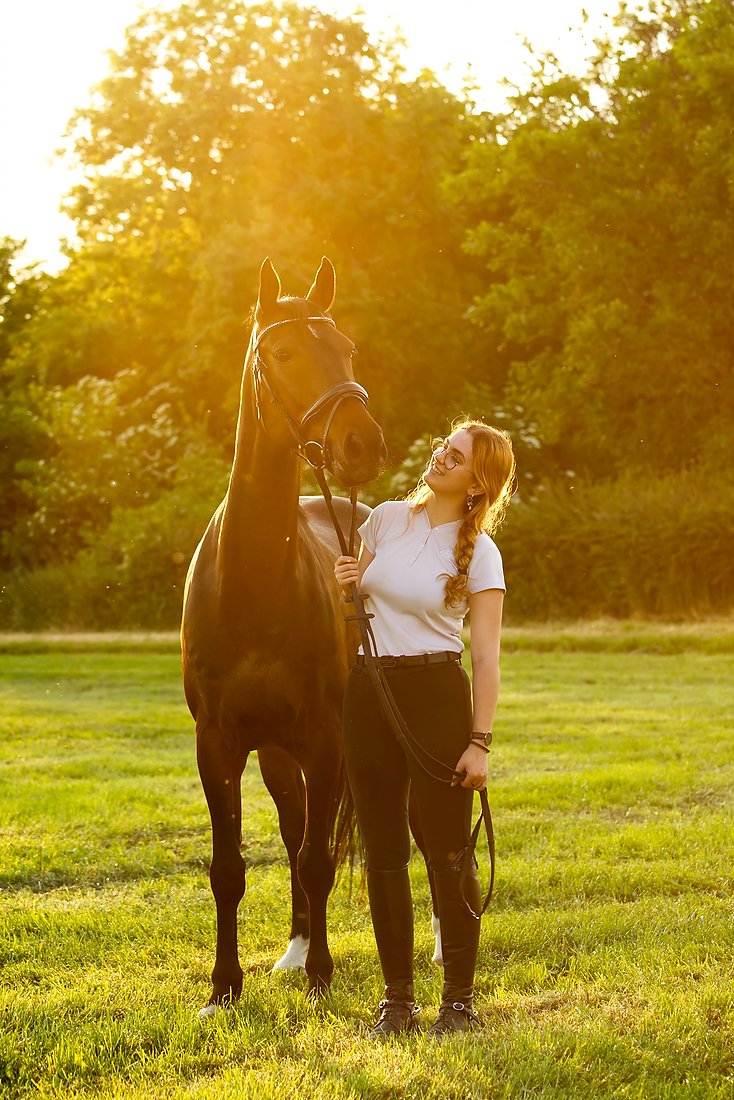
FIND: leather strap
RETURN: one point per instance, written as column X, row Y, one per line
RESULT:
column 313, row 451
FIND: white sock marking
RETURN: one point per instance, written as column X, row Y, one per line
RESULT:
column 295, row 956
column 438, row 953
column 209, row 1011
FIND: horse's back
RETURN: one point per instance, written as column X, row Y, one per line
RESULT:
column 319, row 520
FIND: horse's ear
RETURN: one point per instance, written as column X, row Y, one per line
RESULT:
column 269, row 290
column 324, row 286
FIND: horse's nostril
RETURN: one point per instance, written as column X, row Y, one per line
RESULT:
column 353, row 448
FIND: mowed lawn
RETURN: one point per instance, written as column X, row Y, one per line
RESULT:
column 607, row 956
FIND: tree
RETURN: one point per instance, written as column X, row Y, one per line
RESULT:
column 602, row 208
column 227, row 131
column 22, row 435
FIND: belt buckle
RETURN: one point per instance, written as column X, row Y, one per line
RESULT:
column 437, row 658
column 388, row 662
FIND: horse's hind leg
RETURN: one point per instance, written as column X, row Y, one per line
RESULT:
column 417, row 831
column 315, row 860
column 220, row 776
column 284, row 779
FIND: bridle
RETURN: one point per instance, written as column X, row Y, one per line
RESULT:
column 313, row 451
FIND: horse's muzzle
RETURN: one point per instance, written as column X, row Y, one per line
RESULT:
column 360, row 458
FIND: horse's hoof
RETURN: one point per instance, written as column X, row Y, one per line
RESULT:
column 295, row 956
column 317, row 988
column 438, row 952
column 209, row 1011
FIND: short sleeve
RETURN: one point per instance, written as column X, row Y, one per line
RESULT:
column 380, row 521
column 369, row 531
column 486, row 569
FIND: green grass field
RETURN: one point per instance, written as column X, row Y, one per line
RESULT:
column 607, row 958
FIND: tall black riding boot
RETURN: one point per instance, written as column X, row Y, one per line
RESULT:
column 458, row 903
column 391, row 906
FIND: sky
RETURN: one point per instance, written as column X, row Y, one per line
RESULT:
column 53, row 51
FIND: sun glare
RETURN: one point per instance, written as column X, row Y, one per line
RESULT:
column 55, row 52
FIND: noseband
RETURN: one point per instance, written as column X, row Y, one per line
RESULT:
column 312, row 450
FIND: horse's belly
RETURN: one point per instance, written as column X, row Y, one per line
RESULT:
column 259, row 703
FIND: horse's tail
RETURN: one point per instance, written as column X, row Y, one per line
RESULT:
column 346, row 843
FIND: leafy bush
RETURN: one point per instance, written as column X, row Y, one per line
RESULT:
column 633, row 547
column 107, row 450
column 131, row 575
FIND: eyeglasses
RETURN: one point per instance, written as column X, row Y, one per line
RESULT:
column 452, row 458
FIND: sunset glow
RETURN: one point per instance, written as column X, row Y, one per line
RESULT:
column 52, row 53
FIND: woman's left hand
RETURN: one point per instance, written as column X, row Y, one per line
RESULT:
column 471, row 771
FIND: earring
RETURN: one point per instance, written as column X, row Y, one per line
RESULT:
column 470, row 502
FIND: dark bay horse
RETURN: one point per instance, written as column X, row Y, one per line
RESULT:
column 266, row 650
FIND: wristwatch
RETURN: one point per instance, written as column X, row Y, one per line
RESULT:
column 478, row 735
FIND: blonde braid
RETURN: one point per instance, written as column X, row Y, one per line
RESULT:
column 494, row 468
column 456, row 587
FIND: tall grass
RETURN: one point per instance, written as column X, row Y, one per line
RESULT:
column 635, row 547
column 132, row 573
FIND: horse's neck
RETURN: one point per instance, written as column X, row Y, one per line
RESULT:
column 258, row 542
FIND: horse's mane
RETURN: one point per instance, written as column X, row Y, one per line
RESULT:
column 302, row 308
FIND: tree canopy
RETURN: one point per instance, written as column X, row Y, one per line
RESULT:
column 602, row 208
column 229, row 131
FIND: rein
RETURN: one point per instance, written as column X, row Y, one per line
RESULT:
column 313, row 451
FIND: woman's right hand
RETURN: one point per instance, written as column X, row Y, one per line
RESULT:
column 346, row 572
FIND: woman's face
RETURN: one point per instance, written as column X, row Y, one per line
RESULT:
column 450, row 468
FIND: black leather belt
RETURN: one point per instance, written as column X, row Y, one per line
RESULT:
column 412, row 659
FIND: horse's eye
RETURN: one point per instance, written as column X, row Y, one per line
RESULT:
column 283, row 356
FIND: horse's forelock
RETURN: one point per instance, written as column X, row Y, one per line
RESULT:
column 301, row 308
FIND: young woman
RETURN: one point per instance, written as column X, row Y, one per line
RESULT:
column 423, row 563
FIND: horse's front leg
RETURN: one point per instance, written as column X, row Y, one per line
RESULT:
column 417, row 831
column 283, row 777
column 221, row 773
column 315, row 860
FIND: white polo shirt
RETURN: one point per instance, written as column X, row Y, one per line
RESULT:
column 406, row 582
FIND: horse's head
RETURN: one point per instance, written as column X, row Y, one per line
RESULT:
column 304, row 383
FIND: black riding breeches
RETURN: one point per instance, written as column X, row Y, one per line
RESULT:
column 435, row 701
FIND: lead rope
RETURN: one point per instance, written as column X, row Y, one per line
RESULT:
column 314, row 453
column 390, row 707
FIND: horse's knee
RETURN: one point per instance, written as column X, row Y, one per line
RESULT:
column 316, row 869
column 292, row 832
column 227, row 878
